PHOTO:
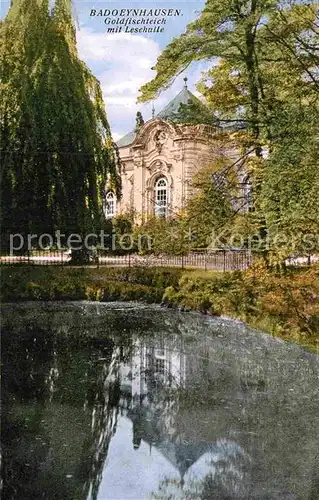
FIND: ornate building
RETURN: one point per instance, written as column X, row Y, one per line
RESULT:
column 159, row 159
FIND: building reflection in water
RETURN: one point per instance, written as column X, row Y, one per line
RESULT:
column 151, row 385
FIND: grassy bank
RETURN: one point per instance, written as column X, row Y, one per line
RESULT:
column 286, row 305
column 283, row 304
column 105, row 284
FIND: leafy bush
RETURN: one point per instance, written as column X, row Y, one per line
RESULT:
column 284, row 304
column 150, row 276
column 48, row 283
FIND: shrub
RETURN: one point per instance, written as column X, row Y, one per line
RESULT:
column 282, row 303
column 46, row 283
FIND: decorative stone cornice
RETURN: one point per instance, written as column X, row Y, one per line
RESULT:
column 151, row 128
column 159, row 166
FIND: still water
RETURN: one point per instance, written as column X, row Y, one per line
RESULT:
column 124, row 401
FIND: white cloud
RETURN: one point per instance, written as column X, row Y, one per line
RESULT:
column 116, row 136
column 99, row 46
column 122, row 62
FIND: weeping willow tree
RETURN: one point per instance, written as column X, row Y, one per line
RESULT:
column 56, row 145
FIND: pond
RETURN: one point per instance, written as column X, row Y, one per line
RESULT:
column 125, row 401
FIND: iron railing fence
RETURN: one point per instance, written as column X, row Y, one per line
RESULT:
column 219, row 260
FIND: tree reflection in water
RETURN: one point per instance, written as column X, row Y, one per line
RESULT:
column 234, row 413
column 61, row 395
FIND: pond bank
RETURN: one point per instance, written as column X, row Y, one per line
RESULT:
column 285, row 305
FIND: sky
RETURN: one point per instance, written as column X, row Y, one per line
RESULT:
column 136, row 473
column 122, row 62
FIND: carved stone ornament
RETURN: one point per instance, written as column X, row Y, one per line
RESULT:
column 138, row 159
column 160, row 139
column 178, row 156
column 159, row 166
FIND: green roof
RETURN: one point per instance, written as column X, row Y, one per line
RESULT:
column 173, row 107
column 169, row 112
column 127, row 139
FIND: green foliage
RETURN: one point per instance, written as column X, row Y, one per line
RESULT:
column 210, row 207
column 114, row 290
column 164, row 236
column 56, row 146
column 263, row 87
column 284, row 304
column 194, row 112
column 47, row 283
column 290, row 184
column 122, row 231
column 244, row 36
column 158, row 277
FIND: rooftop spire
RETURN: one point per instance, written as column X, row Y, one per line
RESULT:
column 185, row 80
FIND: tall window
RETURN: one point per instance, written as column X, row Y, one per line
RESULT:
column 110, row 205
column 161, row 197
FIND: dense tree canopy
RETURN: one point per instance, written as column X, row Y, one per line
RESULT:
column 56, row 146
column 264, row 76
column 240, row 37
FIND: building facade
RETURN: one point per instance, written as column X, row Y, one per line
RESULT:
column 159, row 160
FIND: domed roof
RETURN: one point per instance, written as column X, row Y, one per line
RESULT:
column 184, row 97
column 168, row 113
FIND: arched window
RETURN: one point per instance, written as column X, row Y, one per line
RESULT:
column 110, row 204
column 161, row 197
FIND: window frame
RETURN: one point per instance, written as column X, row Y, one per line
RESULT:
column 161, row 209
column 110, row 213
